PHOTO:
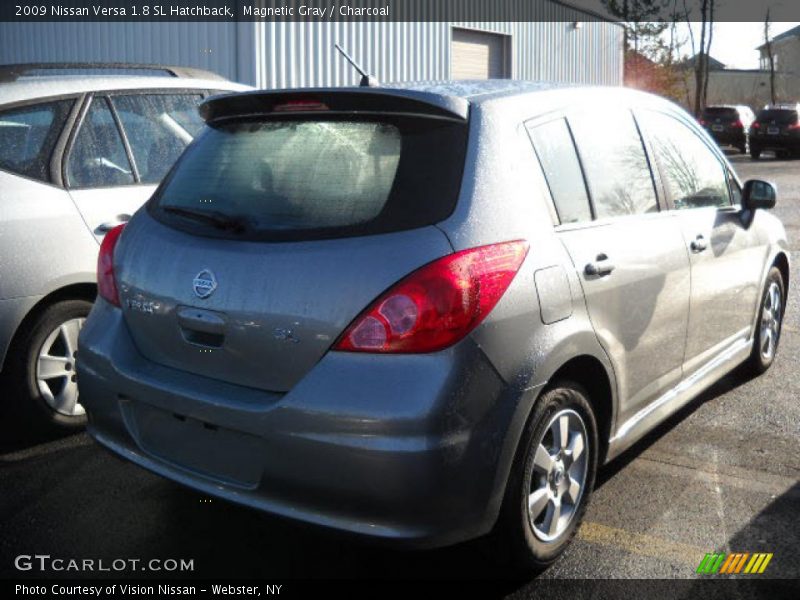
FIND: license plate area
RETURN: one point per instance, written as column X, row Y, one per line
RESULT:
column 215, row 452
column 717, row 128
column 773, row 130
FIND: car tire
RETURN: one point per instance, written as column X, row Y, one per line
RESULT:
column 41, row 369
column 768, row 327
column 525, row 532
column 755, row 153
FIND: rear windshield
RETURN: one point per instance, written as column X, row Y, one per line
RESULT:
column 779, row 115
column 721, row 111
column 295, row 179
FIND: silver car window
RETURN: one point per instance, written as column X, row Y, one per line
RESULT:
column 158, row 128
column 98, row 157
column 28, row 135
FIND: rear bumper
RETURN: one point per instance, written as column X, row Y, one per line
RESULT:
column 405, row 448
column 775, row 142
column 732, row 138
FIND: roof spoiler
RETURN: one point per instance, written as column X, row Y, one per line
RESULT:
column 334, row 101
column 13, row 72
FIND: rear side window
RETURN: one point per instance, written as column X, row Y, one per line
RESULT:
column 98, row 157
column 158, row 128
column 556, row 152
column 28, row 135
column 693, row 175
column 613, row 157
column 304, row 179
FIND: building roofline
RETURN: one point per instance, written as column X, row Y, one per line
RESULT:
column 608, row 18
column 794, row 32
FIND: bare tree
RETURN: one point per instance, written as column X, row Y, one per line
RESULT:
column 770, row 58
column 701, row 60
column 706, row 74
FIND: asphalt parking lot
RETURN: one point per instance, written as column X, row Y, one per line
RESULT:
column 723, row 475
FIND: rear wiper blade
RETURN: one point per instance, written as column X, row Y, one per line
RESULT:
column 217, row 219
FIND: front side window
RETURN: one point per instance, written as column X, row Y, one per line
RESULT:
column 736, row 190
column 28, row 136
column 613, row 157
column 98, row 157
column 158, row 128
column 693, row 175
column 556, row 152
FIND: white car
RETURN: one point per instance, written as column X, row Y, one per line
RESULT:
column 82, row 147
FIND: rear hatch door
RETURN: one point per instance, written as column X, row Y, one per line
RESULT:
column 778, row 122
column 274, row 231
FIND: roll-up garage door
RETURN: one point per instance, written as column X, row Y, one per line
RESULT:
column 479, row 55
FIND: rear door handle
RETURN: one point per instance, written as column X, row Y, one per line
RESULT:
column 602, row 265
column 698, row 244
column 109, row 225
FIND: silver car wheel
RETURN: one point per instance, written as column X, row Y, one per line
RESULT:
column 559, row 475
column 55, row 369
column 771, row 321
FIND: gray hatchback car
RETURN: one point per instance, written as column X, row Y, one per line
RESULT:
column 425, row 313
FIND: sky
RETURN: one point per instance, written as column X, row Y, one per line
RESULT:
column 734, row 44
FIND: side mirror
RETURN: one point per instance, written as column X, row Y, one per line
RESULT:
column 758, row 194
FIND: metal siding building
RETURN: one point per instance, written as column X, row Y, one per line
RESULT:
column 299, row 54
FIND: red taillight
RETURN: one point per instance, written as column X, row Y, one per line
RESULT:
column 737, row 125
column 438, row 304
column 300, row 106
column 106, row 282
column 702, row 122
column 794, row 126
column 756, row 125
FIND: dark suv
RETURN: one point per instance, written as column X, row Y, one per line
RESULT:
column 776, row 128
column 728, row 125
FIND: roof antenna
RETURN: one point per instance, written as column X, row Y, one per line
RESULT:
column 366, row 79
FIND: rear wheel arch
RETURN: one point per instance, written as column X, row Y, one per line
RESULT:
column 590, row 373
column 78, row 291
column 586, row 370
column 513, row 534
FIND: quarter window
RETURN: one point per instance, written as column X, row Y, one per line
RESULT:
column 98, row 158
column 556, row 152
column 613, row 157
column 28, row 135
column 693, row 175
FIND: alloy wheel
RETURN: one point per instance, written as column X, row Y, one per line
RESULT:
column 55, row 369
column 771, row 321
column 560, row 467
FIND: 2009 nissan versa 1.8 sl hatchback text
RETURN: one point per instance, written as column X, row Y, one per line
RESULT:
column 425, row 313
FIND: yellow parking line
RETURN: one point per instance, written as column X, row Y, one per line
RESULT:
column 641, row 544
